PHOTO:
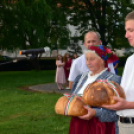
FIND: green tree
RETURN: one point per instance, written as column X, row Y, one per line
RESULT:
column 24, row 23
column 104, row 16
column 59, row 32
column 29, row 24
column 74, row 45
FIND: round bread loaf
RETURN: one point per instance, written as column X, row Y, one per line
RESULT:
column 102, row 92
column 72, row 106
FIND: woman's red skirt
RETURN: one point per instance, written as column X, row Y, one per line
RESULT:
column 93, row 126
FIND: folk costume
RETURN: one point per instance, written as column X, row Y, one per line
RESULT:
column 105, row 121
column 79, row 65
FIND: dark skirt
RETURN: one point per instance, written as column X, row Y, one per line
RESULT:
column 93, row 126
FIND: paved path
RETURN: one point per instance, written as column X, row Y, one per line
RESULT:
column 50, row 88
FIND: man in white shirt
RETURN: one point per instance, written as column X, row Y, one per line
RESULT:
column 79, row 65
column 125, row 108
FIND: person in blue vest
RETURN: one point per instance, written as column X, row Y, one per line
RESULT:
column 115, row 66
column 97, row 120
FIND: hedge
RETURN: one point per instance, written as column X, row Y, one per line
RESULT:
column 41, row 64
column 122, row 61
column 26, row 65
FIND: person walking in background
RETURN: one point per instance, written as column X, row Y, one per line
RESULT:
column 67, row 67
column 75, row 56
column 115, row 66
column 115, row 60
column 60, row 74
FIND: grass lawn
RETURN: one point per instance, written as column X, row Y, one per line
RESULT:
column 25, row 112
column 120, row 71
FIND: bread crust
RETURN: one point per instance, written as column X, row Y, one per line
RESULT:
column 99, row 93
column 75, row 108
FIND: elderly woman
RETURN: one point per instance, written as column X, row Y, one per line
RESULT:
column 98, row 120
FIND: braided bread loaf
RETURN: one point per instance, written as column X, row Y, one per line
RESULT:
column 72, row 106
column 102, row 92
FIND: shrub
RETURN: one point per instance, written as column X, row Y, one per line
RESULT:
column 26, row 65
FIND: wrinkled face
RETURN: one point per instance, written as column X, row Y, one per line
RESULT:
column 129, row 27
column 94, row 62
column 91, row 39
